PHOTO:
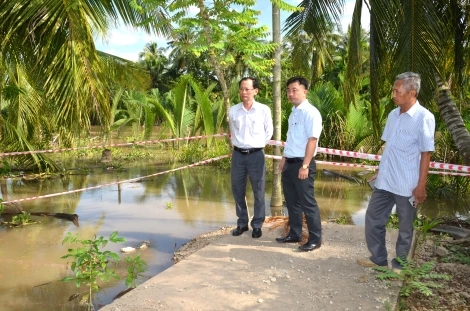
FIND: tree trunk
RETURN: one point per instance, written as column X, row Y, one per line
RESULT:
column 451, row 116
column 276, row 196
column 374, row 74
column 213, row 59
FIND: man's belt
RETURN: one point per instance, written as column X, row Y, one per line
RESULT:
column 247, row 151
column 294, row 160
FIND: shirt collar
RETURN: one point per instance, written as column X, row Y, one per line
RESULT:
column 302, row 105
column 413, row 108
column 410, row 111
column 255, row 104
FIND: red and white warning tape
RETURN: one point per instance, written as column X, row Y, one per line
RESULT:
column 118, row 182
column 375, row 157
column 110, row 145
column 201, row 163
column 352, row 154
column 372, row 167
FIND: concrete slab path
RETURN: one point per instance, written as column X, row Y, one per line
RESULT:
column 242, row 273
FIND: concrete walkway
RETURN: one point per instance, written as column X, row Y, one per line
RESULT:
column 241, row 273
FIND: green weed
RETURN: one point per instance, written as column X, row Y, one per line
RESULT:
column 5, row 169
column 458, row 254
column 425, row 224
column 343, row 220
column 135, row 268
column 90, row 263
column 414, row 277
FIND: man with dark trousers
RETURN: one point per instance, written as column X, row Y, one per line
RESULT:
column 402, row 174
column 298, row 166
column 251, row 127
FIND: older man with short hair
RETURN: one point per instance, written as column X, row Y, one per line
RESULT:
column 403, row 170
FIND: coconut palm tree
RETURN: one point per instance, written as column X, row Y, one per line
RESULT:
column 153, row 59
column 426, row 36
column 52, row 42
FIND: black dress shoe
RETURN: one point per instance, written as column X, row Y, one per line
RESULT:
column 288, row 239
column 307, row 247
column 257, row 233
column 239, row 231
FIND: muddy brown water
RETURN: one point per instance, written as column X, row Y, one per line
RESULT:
column 166, row 210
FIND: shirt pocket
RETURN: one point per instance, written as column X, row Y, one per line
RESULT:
column 237, row 123
column 257, row 126
column 406, row 142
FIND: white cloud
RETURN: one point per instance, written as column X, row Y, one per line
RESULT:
column 127, row 43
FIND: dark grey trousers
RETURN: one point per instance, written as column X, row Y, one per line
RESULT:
column 377, row 215
column 251, row 165
column 300, row 197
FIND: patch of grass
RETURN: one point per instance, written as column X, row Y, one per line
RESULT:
column 195, row 151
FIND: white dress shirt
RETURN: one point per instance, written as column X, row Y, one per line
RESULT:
column 250, row 128
column 406, row 136
column 305, row 121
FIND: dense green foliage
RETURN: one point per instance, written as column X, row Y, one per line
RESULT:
column 54, row 88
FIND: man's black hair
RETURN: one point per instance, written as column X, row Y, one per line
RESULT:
column 299, row 79
column 255, row 81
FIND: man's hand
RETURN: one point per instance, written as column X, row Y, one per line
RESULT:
column 303, row 173
column 420, row 194
column 373, row 177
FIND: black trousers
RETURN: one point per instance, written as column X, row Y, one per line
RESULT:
column 251, row 166
column 300, row 198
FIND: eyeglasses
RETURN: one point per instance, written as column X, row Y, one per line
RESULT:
column 245, row 90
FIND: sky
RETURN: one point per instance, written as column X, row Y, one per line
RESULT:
column 128, row 43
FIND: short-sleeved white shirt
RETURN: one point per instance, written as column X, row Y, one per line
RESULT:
column 406, row 136
column 250, row 128
column 305, row 121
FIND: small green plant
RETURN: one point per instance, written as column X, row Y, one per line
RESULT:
column 343, row 220
column 458, row 254
column 392, row 222
column 135, row 268
column 2, row 208
column 425, row 224
column 169, row 205
column 90, row 263
column 413, row 277
column 5, row 169
column 22, row 219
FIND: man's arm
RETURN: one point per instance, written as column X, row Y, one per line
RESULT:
column 309, row 151
column 420, row 191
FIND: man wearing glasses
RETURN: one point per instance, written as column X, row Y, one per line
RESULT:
column 251, row 127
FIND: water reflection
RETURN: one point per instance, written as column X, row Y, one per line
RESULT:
column 166, row 210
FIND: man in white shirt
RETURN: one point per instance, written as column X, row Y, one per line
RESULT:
column 402, row 174
column 251, row 127
column 298, row 166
